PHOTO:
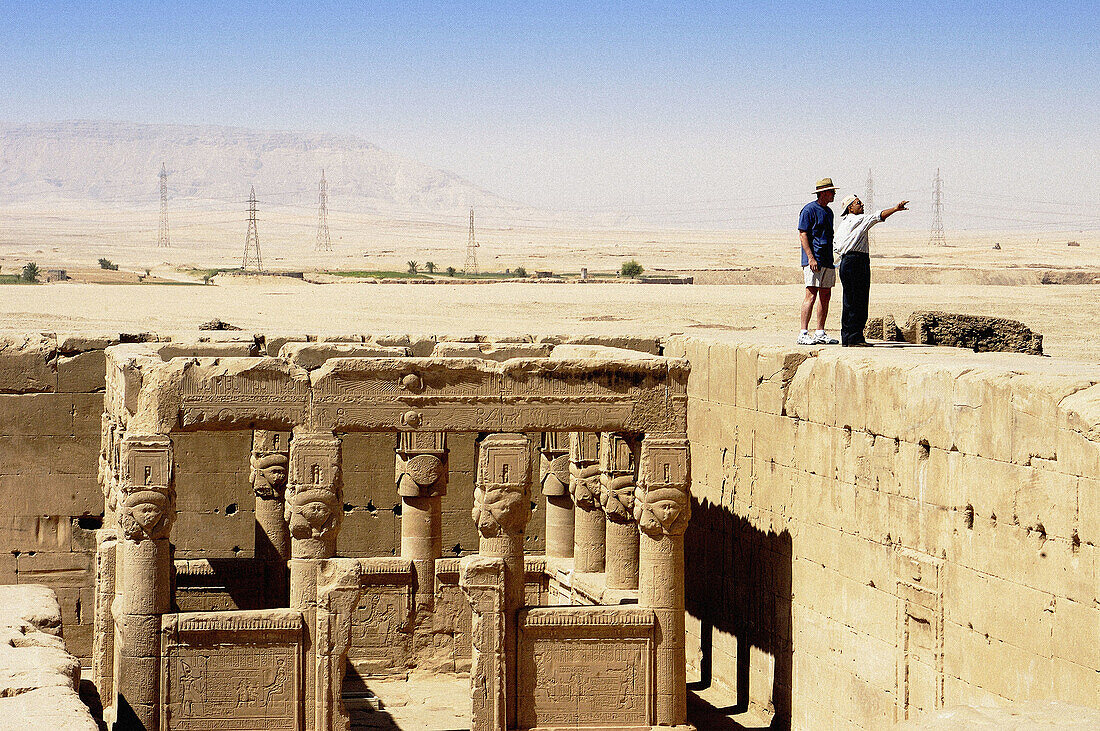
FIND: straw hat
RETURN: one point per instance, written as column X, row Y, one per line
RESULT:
column 848, row 200
column 824, row 185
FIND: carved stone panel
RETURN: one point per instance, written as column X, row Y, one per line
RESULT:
column 585, row 667
column 240, row 671
column 381, row 627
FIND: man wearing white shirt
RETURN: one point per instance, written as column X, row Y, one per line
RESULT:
column 852, row 249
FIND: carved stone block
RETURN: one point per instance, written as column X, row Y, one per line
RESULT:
column 586, row 667
column 421, row 464
column 232, row 670
column 663, row 498
column 269, row 464
column 502, row 497
column 618, row 466
column 313, row 507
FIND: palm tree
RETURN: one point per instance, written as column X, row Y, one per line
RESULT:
column 413, row 267
column 430, row 266
column 30, row 272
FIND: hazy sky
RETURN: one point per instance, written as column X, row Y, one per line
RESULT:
column 714, row 113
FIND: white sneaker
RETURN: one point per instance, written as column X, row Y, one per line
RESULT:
column 806, row 339
column 823, row 339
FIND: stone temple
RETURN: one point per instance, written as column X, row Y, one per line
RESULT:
column 628, row 533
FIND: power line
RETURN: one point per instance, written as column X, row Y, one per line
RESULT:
column 324, row 243
column 252, row 238
column 471, row 250
column 162, row 235
column 937, row 238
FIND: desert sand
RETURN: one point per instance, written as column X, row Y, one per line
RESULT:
column 744, row 280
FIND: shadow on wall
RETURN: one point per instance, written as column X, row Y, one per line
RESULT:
column 738, row 585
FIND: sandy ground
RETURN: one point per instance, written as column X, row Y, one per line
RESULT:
column 1067, row 315
column 747, row 280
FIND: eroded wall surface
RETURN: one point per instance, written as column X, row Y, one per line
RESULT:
column 877, row 533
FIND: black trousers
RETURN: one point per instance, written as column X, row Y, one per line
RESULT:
column 855, row 275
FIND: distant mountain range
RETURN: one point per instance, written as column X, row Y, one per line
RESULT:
column 117, row 164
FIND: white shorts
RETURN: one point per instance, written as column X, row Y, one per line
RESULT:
column 825, row 277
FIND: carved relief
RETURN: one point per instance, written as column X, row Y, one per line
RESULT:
column 554, row 463
column 380, row 629
column 617, row 481
column 662, row 500
column 421, row 464
column 585, row 667
column 313, row 508
column 269, row 464
column 584, row 469
column 232, row 672
column 502, row 496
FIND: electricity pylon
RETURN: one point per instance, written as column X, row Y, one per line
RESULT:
column 937, row 239
column 162, row 235
column 324, row 243
column 252, row 238
column 471, row 250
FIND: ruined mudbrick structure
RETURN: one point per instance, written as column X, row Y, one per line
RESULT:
column 247, row 533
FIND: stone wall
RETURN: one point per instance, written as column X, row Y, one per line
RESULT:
column 882, row 532
column 39, row 679
column 51, row 402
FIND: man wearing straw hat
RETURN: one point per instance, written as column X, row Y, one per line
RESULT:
column 815, row 232
column 853, row 248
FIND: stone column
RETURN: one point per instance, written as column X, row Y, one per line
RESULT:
column 313, row 514
column 584, row 484
column 663, row 507
column 502, row 507
column 146, row 509
column 618, row 463
column 554, row 476
column 268, row 473
column 482, row 581
column 421, row 476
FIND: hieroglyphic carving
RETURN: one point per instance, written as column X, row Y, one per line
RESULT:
column 380, row 629
column 269, row 464
column 421, row 464
column 502, row 496
column 585, row 667
column 232, row 670
column 313, row 507
column 145, row 501
column 662, row 500
column 617, row 476
column 554, row 463
column 243, row 389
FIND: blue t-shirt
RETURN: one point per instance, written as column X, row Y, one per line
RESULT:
column 817, row 221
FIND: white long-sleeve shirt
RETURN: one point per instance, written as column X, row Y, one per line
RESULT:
column 851, row 232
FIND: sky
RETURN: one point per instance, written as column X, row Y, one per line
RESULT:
column 708, row 114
